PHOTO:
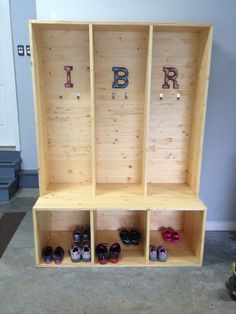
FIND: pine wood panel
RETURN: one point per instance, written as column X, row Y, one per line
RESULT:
column 119, row 121
column 68, row 119
column 170, row 119
column 118, row 219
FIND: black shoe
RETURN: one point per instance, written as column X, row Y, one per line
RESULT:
column 125, row 236
column 58, row 255
column 76, row 236
column 101, row 251
column 114, row 252
column 86, row 235
column 134, row 237
column 47, row 255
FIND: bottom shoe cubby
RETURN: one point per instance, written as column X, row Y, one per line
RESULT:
column 107, row 225
column 55, row 228
column 190, row 224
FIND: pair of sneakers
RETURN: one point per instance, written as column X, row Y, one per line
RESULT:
column 49, row 255
column 104, row 256
column 158, row 253
column 80, row 248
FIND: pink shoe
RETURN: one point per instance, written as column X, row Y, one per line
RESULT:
column 175, row 238
column 167, row 236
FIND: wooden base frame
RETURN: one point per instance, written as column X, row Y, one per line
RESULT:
column 55, row 227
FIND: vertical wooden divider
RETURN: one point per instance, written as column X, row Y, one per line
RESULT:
column 147, row 236
column 93, row 111
column 147, row 109
column 92, row 235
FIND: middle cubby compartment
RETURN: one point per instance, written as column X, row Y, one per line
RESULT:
column 119, row 122
column 107, row 226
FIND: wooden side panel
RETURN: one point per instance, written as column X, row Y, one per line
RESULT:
column 194, row 229
column 145, row 234
column 40, row 221
column 119, row 121
column 198, row 122
column 170, row 119
column 68, row 114
column 92, row 233
column 39, row 107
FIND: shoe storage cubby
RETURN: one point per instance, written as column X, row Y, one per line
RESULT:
column 109, row 223
column 190, row 227
column 120, row 113
column 55, row 228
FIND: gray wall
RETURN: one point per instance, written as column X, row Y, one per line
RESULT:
column 218, row 182
column 21, row 12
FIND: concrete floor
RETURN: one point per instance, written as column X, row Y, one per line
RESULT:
column 26, row 289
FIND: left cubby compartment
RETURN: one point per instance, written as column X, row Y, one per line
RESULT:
column 55, row 228
column 61, row 73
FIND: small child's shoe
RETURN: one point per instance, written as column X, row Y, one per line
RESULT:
column 58, row 255
column 86, row 253
column 75, row 253
column 152, row 253
column 162, row 254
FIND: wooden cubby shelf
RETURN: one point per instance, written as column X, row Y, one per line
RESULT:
column 120, row 157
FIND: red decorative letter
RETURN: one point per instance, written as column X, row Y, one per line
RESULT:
column 68, row 69
column 170, row 77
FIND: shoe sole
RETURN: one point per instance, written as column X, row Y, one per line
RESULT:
column 152, row 259
column 86, row 260
column 103, row 262
column 75, row 260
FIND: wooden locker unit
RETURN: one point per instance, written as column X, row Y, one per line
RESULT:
column 120, row 157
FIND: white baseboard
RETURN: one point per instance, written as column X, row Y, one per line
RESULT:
column 221, row 225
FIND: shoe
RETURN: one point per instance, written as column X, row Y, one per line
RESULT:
column 175, row 238
column 76, row 236
column 134, row 237
column 162, row 254
column 125, row 236
column 114, row 252
column 75, row 253
column 86, row 235
column 152, row 253
column 167, row 235
column 86, row 253
column 101, row 251
column 58, row 255
column 47, row 255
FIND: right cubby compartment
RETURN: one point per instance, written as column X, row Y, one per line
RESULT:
column 190, row 225
column 175, row 126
